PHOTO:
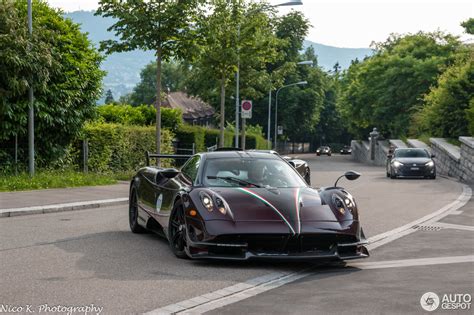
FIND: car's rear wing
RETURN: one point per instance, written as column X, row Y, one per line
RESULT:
column 149, row 155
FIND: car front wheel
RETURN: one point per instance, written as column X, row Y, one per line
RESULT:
column 177, row 231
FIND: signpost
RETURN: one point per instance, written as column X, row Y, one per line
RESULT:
column 280, row 130
column 246, row 109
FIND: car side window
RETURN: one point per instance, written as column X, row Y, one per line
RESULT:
column 190, row 169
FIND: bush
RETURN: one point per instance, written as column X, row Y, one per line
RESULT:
column 212, row 135
column 255, row 141
column 189, row 135
column 143, row 115
column 119, row 148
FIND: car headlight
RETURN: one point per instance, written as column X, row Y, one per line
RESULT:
column 207, row 201
column 430, row 164
column 397, row 164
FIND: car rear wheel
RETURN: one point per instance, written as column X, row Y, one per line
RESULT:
column 177, row 231
column 133, row 213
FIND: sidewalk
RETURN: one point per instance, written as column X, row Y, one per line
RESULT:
column 62, row 199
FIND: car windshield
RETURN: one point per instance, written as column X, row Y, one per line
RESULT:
column 411, row 153
column 256, row 172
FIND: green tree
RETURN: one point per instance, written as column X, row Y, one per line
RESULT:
column 299, row 108
column 468, row 26
column 61, row 65
column 448, row 104
column 109, row 97
column 159, row 25
column 174, row 76
column 386, row 89
column 234, row 31
column 290, row 31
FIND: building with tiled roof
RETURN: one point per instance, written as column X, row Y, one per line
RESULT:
column 195, row 111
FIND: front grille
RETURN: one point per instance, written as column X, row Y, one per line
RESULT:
column 285, row 243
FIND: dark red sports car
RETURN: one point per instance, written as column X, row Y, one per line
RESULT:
column 245, row 205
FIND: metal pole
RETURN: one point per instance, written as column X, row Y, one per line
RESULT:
column 276, row 118
column 16, row 154
column 85, row 150
column 269, row 117
column 31, row 113
column 237, row 91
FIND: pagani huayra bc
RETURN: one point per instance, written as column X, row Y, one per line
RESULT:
column 243, row 205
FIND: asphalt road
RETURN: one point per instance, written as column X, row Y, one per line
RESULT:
column 90, row 257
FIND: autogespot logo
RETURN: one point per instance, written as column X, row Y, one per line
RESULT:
column 451, row 301
column 429, row 301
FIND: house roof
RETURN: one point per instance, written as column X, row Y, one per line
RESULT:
column 192, row 107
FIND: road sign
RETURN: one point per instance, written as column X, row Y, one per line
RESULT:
column 246, row 109
column 280, row 130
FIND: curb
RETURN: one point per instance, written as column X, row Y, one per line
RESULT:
column 81, row 205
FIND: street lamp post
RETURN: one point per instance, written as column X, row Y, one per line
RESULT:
column 276, row 106
column 31, row 113
column 237, row 74
column 306, row 62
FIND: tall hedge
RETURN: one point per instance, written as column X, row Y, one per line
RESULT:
column 114, row 147
column 204, row 137
column 143, row 115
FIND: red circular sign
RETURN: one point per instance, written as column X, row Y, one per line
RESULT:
column 247, row 106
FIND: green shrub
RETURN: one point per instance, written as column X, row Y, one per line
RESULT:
column 213, row 134
column 143, row 115
column 187, row 135
column 118, row 148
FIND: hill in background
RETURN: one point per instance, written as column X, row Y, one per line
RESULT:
column 123, row 69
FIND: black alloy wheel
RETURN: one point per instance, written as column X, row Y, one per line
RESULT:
column 133, row 213
column 177, row 231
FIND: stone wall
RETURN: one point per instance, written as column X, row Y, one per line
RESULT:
column 451, row 160
column 361, row 152
column 447, row 157
column 467, row 159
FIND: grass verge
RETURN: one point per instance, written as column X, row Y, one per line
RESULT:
column 56, row 179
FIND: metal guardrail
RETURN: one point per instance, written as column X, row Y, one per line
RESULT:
column 212, row 148
column 149, row 155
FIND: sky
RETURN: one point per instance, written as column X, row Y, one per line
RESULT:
column 357, row 23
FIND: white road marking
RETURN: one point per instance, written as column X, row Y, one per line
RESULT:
column 255, row 286
column 454, row 226
column 387, row 237
column 413, row 262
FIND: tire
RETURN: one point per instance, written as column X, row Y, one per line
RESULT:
column 317, row 154
column 433, row 176
column 133, row 213
column 392, row 175
column 307, row 177
column 177, row 231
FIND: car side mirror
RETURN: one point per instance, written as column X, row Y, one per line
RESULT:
column 349, row 175
column 433, row 156
column 169, row 173
column 389, row 156
column 292, row 164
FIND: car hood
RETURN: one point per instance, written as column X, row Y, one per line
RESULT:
column 418, row 160
column 293, row 206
